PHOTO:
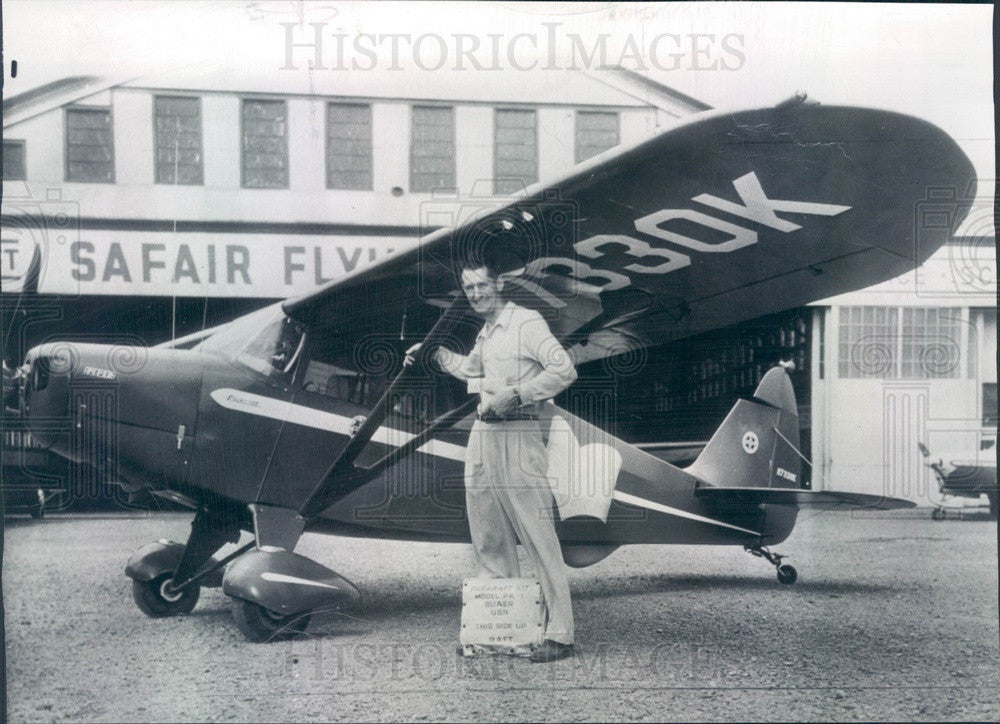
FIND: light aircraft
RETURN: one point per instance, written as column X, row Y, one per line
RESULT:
column 727, row 217
column 962, row 478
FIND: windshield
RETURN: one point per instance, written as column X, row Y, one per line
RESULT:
column 266, row 340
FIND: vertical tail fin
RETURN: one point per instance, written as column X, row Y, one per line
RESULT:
column 757, row 444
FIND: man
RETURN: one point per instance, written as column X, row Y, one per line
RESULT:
column 521, row 365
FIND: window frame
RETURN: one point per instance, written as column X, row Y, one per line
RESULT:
column 945, row 318
column 111, row 125
column 22, row 143
column 901, row 366
column 496, row 147
column 201, row 141
column 454, row 147
column 371, row 144
column 576, row 131
column 288, row 170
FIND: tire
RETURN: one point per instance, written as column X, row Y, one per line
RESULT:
column 154, row 601
column 937, row 514
column 259, row 624
column 787, row 574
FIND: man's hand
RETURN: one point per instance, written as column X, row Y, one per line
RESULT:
column 439, row 355
column 356, row 422
column 504, row 402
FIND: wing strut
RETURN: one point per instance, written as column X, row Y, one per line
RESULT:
column 343, row 477
column 323, row 497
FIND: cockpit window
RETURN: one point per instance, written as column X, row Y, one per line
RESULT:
column 337, row 378
column 359, row 371
column 266, row 341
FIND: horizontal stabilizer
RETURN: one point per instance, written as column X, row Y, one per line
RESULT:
column 823, row 499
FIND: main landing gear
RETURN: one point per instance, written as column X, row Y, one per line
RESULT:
column 158, row 599
column 259, row 624
column 167, row 577
column 786, row 573
column 273, row 590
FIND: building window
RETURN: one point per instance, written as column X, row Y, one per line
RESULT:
column 596, row 131
column 989, row 404
column 265, row 144
column 881, row 342
column 515, row 150
column 931, row 343
column 869, row 337
column 982, row 347
column 13, row 161
column 89, row 145
column 177, row 127
column 432, row 148
column 349, row 146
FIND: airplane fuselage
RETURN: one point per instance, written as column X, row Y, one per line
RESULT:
column 196, row 426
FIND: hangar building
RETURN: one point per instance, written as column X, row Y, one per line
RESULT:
column 140, row 209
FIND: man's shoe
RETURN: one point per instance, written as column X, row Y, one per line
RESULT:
column 550, row 651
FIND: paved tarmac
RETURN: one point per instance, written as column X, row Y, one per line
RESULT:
column 894, row 617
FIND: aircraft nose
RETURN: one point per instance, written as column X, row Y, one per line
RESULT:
column 45, row 383
column 57, row 383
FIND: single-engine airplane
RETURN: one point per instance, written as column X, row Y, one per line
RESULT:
column 254, row 424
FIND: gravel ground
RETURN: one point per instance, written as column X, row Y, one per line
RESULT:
column 893, row 617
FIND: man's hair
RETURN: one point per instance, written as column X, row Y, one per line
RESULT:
column 474, row 264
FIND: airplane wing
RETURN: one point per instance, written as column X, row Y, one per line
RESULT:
column 822, row 499
column 724, row 218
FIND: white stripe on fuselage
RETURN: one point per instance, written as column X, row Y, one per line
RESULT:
column 275, row 409
column 661, row 508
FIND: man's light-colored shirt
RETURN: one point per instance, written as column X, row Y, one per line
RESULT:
column 516, row 350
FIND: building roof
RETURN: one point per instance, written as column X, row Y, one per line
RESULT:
column 45, row 97
column 561, row 86
column 648, row 91
column 614, row 87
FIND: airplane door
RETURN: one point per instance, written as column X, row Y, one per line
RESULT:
column 326, row 397
column 424, row 492
column 245, row 399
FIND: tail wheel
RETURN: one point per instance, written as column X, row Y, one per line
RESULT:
column 787, row 574
column 937, row 514
column 157, row 599
column 259, row 624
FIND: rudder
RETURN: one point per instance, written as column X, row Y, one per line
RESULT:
column 757, row 444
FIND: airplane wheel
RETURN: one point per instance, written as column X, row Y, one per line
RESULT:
column 259, row 625
column 155, row 600
column 787, row 574
column 937, row 514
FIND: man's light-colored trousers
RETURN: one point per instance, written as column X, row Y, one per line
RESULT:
column 509, row 500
